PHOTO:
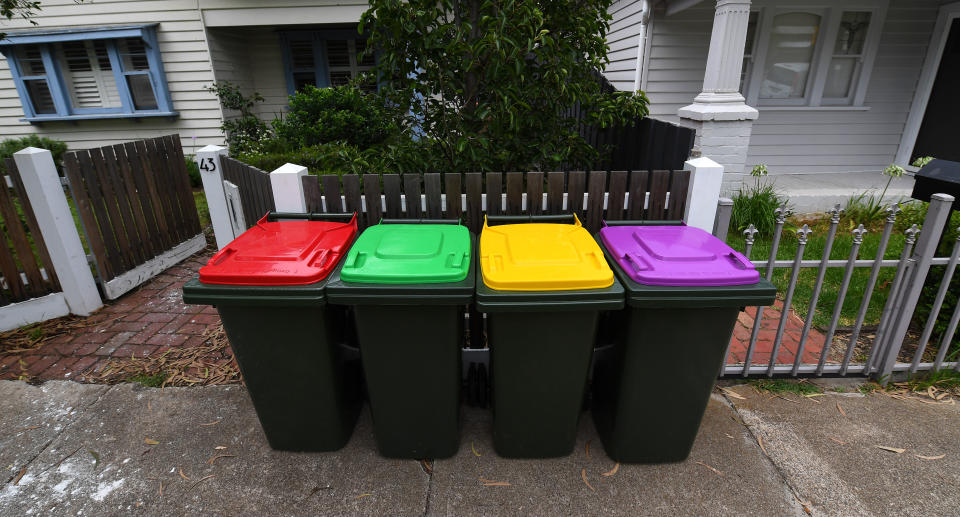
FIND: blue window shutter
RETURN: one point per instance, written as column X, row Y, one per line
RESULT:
column 14, row 65
column 55, row 81
column 157, row 75
column 117, row 67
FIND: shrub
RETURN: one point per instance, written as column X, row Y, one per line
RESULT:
column 245, row 132
column 756, row 205
column 8, row 147
column 193, row 170
column 339, row 114
column 401, row 155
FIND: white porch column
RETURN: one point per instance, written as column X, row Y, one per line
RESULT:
column 211, row 174
column 719, row 113
column 42, row 183
column 287, row 184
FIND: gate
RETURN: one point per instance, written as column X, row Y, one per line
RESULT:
column 136, row 209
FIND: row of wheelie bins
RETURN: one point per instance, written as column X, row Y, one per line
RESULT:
column 315, row 313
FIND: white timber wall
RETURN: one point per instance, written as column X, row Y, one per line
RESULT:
column 793, row 141
column 622, row 40
column 185, row 60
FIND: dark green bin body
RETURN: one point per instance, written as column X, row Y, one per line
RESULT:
column 540, row 344
column 304, row 384
column 410, row 337
column 650, row 390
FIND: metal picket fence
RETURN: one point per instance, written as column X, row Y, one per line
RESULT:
column 912, row 267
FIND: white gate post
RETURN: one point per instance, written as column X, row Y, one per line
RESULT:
column 211, row 173
column 287, row 184
column 42, row 183
column 703, row 192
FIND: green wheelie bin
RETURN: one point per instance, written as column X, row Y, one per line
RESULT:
column 408, row 283
column 684, row 289
column 269, row 286
column 542, row 285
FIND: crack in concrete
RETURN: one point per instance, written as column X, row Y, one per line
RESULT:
column 78, row 411
column 795, row 500
column 426, row 502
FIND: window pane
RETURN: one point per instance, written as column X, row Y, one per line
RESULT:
column 133, row 54
column 339, row 78
column 40, row 96
column 364, row 61
column 31, row 60
column 338, row 53
column 853, row 33
column 301, row 53
column 302, row 79
column 88, row 85
column 840, row 77
column 787, row 68
column 142, row 92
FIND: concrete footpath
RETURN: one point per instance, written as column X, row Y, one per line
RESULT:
column 84, row 450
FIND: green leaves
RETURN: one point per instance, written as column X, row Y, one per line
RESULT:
column 496, row 82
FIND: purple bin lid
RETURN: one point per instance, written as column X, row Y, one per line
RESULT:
column 676, row 256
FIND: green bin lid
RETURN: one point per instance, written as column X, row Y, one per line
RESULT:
column 409, row 254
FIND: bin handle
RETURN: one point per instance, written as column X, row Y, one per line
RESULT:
column 738, row 260
column 348, row 217
column 495, row 220
column 638, row 263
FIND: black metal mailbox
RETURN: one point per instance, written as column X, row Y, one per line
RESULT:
column 938, row 176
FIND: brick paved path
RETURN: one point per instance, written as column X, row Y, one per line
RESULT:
column 153, row 319
column 149, row 320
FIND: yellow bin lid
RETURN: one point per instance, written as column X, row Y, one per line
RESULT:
column 542, row 257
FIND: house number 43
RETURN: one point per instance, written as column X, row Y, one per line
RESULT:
column 207, row 164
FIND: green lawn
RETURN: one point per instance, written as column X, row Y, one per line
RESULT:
column 834, row 275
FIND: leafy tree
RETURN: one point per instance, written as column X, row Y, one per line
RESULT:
column 491, row 84
column 25, row 9
column 245, row 132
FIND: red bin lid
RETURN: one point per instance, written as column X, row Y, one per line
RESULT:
column 281, row 253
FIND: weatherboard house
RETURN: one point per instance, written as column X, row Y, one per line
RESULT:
column 813, row 86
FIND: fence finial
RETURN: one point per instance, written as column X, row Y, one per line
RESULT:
column 892, row 211
column 912, row 233
column 750, row 233
column 803, row 232
column 835, row 213
column 858, row 234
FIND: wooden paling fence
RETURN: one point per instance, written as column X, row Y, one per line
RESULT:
column 593, row 196
column 256, row 195
column 136, row 206
column 24, row 261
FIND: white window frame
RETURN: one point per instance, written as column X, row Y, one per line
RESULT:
column 831, row 14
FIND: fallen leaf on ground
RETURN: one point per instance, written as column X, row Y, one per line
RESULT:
column 215, row 422
column 497, row 483
column 583, row 475
column 612, row 471
column 427, row 467
column 931, row 392
column 218, row 456
column 840, row 409
column 484, row 480
column 361, row 496
column 148, row 405
column 811, row 395
column 201, row 480
column 220, row 447
column 891, row 449
column 841, row 442
column 184, row 476
column 729, row 435
column 16, row 480
column 96, row 457
column 474, row 449
column 586, row 448
column 760, row 443
column 940, row 457
column 733, row 394
column 715, row 471
column 940, row 396
column 150, row 441
column 32, row 427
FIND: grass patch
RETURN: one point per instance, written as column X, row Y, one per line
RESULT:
column 149, row 381
column 202, row 209
column 946, row 380
column 785, row 386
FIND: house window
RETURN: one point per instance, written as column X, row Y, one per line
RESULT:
column 108, row 72
column 324, row 58
column 815, row 55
